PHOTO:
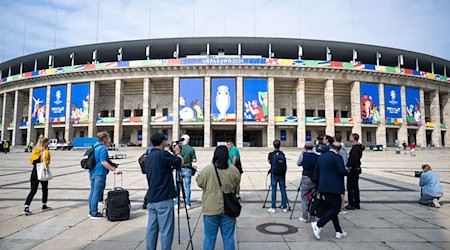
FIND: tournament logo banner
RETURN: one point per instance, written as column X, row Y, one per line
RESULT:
column 58, row 104
column 191, row 100
column 393, row 103
column 370, row 102
column 223, row 99
column 79, row 108
column 255, row 99
column 413, row 114
column 39, row 106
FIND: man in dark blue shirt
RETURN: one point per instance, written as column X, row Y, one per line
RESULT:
column 159, row 165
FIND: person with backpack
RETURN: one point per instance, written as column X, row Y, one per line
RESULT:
column 39, row 154
column 307, row 160
column 97, row 175
column 278, row 168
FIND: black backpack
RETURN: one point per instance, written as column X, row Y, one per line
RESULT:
column 279, row 166
column 142, row 158
column 88, row 161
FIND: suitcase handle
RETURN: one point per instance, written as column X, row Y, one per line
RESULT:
column 121, row 181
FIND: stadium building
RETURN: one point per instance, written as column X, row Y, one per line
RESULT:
column 253, row 90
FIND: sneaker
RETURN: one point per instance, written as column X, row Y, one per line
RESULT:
column 343, row 211
column 285, row 210
column 97, row 216
column 101, row 203
column 175, row 206
column 341, row 235
column 188, row 207
column 27, row 211
column 271, row 210
column 436, row 203
column 350, row 207
column 303, row 220
column 316, row 230
column 45, row 208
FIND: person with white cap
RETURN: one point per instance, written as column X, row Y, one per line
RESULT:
column 189, row 157
column 307, row 160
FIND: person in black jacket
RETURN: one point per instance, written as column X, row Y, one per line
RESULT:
column 329, row 173
column 354, row 167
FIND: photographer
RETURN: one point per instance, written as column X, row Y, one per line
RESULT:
column 431, row 188
column 158, row 167
column 325, row 145
column 189, row 157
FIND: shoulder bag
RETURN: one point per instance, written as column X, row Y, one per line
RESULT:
column 231, row 204
column 43, row 171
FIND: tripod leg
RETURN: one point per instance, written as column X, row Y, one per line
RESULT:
column 183, row 192
column 178, row 211
column 296, row 197
column 267, row 196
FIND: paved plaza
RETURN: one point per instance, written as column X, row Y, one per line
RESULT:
column 390, row 217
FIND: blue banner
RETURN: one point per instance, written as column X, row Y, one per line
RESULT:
column 393, row 102
column 413, row 114
column 191, row 100
column 39, row 101
column 79, row 107
column 58, row 104
column 223, row 93
column 255, row 99
column 370, row 102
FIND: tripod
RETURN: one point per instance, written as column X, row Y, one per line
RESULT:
column 179, row 181
column 296, row 197
column 267, row 195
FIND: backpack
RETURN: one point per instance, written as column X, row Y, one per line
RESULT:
column 318, row 204
column 279, row 166
column 88, row 161
column 142, row 158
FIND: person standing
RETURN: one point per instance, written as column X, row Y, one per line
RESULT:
column 159, row 166
column 6, row 147
column 325, row 145
column 212, row 199
column 405, row 146
column 308, row 161
column 354, row 167
column 278, row 167
column 189, row 157
column 412, row 149
column 329, row 173
column 343, row 152
column 235, row 160
column 39, row 154
column 97, row 175
column 431, row 190
column 397, row 146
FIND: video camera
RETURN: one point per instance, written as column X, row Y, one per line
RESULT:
column 174, row 143
column 417, row 174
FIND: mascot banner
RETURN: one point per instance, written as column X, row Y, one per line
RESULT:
column 413, row 114
column 58, row 104
column 39, row 108
column 223, row 92
column 191, row 100
column 370, row 102
column 255, row 99
column 79, row 108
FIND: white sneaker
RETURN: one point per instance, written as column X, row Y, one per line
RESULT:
column 303, row 220
column 316, row 230
column 175, row 206
column 436, row 203
column 343, row 211
column 188, row 207
column 285, row 210
column 271, row 210
column 101, row 203
column 341, row 235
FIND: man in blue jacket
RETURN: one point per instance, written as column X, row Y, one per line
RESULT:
column 329, row 173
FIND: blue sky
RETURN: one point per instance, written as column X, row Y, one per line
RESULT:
column 419, row 25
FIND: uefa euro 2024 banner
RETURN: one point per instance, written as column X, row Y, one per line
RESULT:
column 370, row 102
column 413, row 114
column 223, row 99
column 58, row 104
column 393, row 103
column 79, row 107
column 255, row 99
column 39, row 105
column 191, row 100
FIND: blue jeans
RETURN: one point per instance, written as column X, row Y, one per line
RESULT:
column 282, row 183
column 97, row 186
column 305, row 187
column 211, row 226
column 160, row 220
column 186, row 175
column 427, row 199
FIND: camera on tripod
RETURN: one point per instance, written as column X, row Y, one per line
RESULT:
column 174, row 143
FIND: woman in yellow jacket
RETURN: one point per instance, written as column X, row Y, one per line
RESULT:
column 40, row 153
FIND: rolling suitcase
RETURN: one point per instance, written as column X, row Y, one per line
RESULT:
column 118, row 203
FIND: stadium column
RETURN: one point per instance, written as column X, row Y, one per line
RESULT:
column 446, row 116
column 146, row 113
column 421, row 133
column 5, row 116
column 176, row 107
column 356, row 107
column 381, row 129
column 435, row 118
column 31, row 132
column 239, row 112
column 403, row 130
column 329, row 107
column 17, row 118
column 301, row 126
column 48, row 125
column 118, row 113
column 93, row 97
column 271, row 111
column 68, row 128
column 207, row 114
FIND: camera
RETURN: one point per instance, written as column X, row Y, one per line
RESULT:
column 417, row 174
column 174, row 143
